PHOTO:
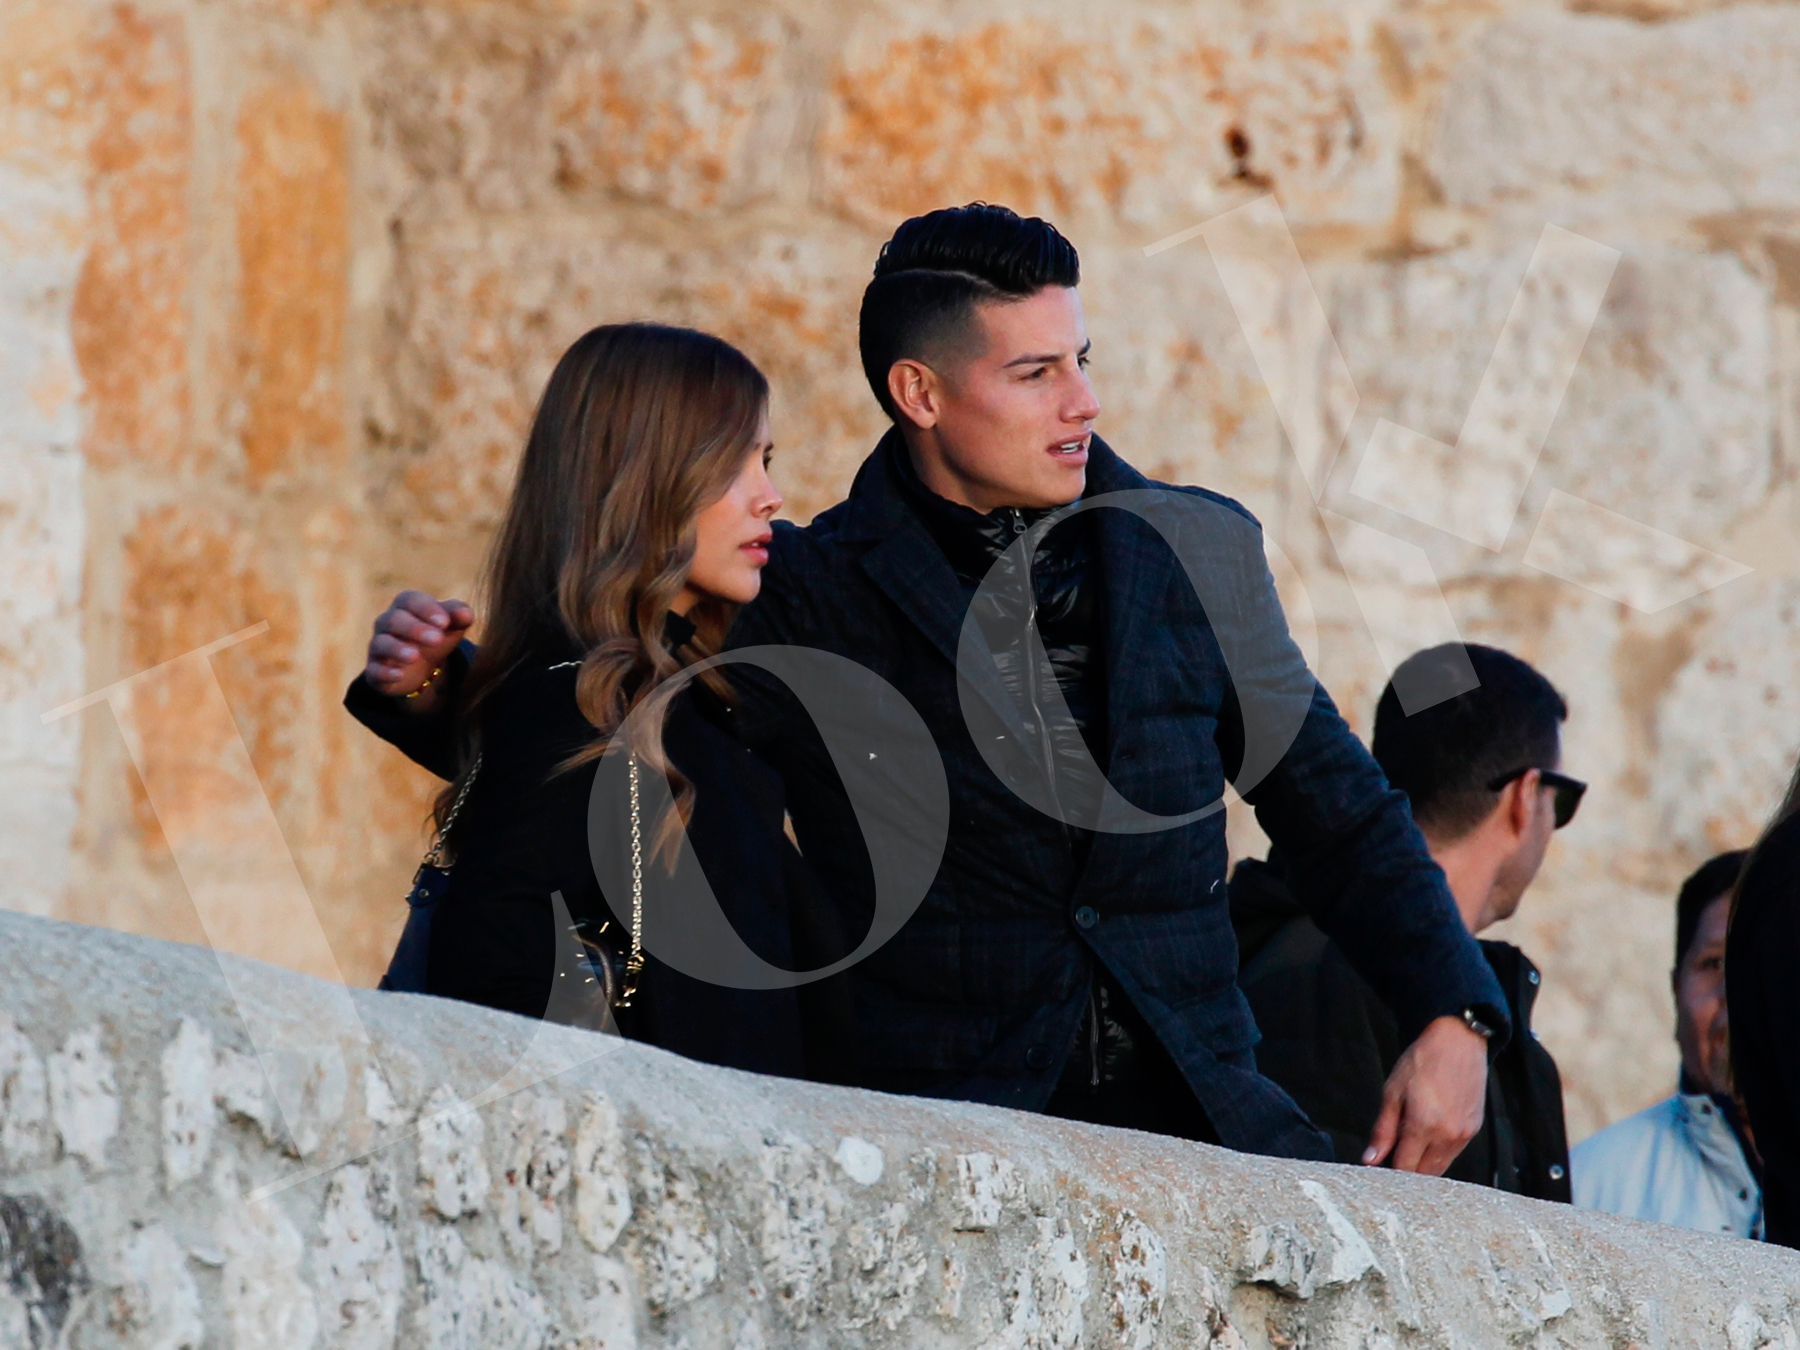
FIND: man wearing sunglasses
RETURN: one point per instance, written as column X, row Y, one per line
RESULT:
column 1480, row 770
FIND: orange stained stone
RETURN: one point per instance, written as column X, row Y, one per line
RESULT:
column 129, row 320
column 192, row 576
column 43, row 118
column 675, row 114
column 1115, row 117
column 293, row 234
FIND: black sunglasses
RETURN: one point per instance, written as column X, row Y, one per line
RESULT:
column 1568, row 790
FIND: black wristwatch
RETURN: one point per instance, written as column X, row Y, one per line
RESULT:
column 1476, row 1025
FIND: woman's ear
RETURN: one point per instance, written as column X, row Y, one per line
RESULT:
column 913, row 387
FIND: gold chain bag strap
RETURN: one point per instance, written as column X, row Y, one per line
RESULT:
column 406, row 971
column 616, row 981
column 634, row 962
column 434, row 856
column 618, row 989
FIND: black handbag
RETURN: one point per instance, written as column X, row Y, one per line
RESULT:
column 406, row 971
column 616, row 976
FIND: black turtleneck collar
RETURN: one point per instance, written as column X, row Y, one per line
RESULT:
column 970, row 539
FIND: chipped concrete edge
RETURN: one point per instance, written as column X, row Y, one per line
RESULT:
column 157, row 1194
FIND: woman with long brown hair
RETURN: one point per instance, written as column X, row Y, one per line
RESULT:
column 638, row 523
column 1762, row 974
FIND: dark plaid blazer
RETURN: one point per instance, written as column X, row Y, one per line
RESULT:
column 979, row 994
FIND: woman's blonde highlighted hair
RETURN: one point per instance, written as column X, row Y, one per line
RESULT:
column 640, row 427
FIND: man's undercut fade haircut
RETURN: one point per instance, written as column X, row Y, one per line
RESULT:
column 1445, row 756
column 934, row 272
column 1712, row 880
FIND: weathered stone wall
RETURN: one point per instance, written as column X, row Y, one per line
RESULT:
column 452, row 1178
column 282, row 279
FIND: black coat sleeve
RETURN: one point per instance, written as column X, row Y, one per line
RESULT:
column 427, row 739
column 770, row 719
column 1352, row 853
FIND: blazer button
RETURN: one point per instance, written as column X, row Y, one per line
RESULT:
column 1038, row 1057
column 1085, row 917
column 1556, row 1172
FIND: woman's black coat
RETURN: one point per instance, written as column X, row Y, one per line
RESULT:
column 523, row 834
column 1762, row 955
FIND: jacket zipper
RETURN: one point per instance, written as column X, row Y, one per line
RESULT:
column 1031, row 680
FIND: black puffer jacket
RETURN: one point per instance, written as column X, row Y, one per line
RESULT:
column 1068, row 608
column 1067, row 596
column 980, row 994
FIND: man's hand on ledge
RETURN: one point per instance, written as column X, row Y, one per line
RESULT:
column 413, row 637
column 1434, row 1100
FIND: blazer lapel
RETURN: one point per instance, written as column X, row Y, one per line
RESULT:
column 1136, row 566
column 911, row 570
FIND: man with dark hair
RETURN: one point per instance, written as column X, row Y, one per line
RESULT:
column 1074, row 952
column 1684, row 1161
column 1479, row 769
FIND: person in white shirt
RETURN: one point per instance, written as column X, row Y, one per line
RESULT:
column 1685, row 1161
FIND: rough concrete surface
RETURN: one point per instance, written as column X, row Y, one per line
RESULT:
column 156, row 1195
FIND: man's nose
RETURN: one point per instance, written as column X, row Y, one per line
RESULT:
column 1086, row 406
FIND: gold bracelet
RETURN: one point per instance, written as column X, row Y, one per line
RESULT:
column 428, row 679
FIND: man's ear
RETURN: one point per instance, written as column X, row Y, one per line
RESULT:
column 1517, row 800
column 914, row 387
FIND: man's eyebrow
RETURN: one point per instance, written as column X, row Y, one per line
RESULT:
column 1046, row 359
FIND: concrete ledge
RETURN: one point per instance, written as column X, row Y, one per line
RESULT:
column 156, row 1193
